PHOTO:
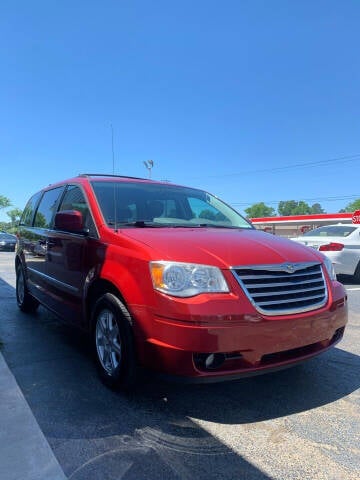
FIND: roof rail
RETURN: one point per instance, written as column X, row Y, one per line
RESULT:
column 109, row 175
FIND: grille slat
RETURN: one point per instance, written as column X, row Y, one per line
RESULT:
column 282, row 284
column 278, row 276
column 286, row 292
column 292, row 300
column 283, row 289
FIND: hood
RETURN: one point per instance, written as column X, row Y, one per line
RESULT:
column 220, row 247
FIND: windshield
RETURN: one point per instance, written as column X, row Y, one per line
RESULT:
column 331, row 231
column 158, row 205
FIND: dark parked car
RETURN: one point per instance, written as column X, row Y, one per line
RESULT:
column 173, row 279
column 7, row 242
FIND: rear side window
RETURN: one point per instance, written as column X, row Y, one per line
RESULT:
column 28, row 213
column 47, row 208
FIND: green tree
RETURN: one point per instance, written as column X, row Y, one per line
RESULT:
column 4, row 226
column 287, row 207
column 317, row 208
column 351, row 207
column 14, row 215
column 258, row 210
column 4, row 202
column 294, row 207
column 302, row 208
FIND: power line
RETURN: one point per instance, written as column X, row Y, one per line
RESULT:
column 316, row 199
column 319, row 163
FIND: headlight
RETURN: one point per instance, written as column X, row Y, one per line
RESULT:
column 329, row 267
column 187, row 279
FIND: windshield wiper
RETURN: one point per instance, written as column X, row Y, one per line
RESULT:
column 149, row 224
column 137, row 224
column 212, row 225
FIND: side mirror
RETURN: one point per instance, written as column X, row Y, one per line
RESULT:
column 69, row 221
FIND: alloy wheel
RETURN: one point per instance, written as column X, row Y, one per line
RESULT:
column 108, row 341
column 20, row 287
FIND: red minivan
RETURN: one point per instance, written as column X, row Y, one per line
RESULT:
column 171, row 278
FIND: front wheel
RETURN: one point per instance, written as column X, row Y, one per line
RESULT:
column 26, row 302
column 114, row 343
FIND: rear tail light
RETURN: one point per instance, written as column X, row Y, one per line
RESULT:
column 331, row 247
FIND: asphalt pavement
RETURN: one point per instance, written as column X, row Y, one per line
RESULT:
column 24, row 451
column 59, row 422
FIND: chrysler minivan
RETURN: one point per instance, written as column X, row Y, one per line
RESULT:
column 172, row 279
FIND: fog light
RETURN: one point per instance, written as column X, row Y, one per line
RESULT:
column 209, row 361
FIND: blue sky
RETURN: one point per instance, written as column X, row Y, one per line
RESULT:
column 251, row 100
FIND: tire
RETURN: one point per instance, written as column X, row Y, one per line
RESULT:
column 114, row 343
column 26, row 302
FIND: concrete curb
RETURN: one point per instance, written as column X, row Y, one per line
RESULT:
column 24, row 451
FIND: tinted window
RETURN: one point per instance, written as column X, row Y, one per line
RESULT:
column 205, row 211
column 163, row 205
column 331, row 231
column 28, row 213
column 74, row 199
column 47, row 208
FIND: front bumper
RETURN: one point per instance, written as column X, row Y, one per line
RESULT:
column 247, row 344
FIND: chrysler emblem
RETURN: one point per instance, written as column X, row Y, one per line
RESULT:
column 289, row 267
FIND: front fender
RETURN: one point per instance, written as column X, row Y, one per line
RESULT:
column 130, row 275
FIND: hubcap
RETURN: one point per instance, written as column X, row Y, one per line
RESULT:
column 108, row 343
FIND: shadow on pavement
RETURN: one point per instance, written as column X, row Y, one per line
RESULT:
column 96, row 433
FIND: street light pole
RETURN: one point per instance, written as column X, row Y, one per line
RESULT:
column 149, row 165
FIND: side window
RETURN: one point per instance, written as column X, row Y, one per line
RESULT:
column 74, row 199
column 47, row 208
column 28, row 213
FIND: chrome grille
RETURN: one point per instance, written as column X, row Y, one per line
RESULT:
column 283, row 289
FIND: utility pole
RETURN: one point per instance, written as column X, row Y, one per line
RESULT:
column 112, row 148
column 149, row 165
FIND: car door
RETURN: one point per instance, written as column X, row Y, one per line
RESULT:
column 351, row 254
column 71, row 258
column 33, row 238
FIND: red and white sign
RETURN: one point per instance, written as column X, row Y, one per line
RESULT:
column 356, row 217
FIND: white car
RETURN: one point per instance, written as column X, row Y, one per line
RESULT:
column 341, row 243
